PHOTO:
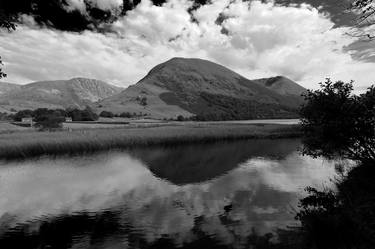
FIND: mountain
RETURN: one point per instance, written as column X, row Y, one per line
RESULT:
column 8, row 87
column 281, row 85
column 188, row 87
column 76, row 92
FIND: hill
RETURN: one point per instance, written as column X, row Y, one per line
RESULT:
column 7, row 87
column 76, row 92
column 196, row 87
column 281, row 85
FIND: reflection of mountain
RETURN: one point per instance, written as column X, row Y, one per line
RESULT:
column 199, row 163
column 111, row 200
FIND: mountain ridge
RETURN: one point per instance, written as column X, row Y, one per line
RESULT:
column 191, row 86
column 76, row 92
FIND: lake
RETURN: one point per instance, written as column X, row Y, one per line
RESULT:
column 193, row 196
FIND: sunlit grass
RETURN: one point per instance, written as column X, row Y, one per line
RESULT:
column 21, row 145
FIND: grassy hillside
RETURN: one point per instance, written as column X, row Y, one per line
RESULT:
column 191, row 87
column 77, row 92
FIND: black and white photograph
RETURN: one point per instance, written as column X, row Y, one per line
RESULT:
column 187, row 124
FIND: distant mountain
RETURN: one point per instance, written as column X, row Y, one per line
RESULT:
column 76, row 92
column 189, row 87
column 8, row 87
column 281, row 85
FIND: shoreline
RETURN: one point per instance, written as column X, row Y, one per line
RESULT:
column 24, row 145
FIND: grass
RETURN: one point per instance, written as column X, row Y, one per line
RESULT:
column 21, row 145
column 6, row 127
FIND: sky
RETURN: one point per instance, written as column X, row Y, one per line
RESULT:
column 119, row 41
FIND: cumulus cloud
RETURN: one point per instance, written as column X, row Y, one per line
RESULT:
column 259, row 190
column 81, row 5
column 253, row 38
column 75, row 5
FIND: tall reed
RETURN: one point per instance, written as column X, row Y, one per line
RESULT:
column 30, row 144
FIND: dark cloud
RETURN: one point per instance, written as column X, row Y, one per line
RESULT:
column 56, row 14
column 51, row 13
column 337, row 9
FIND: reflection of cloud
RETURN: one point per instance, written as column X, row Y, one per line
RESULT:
column 291, row 174
column 258, row 193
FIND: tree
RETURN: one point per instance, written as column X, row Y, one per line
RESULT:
column 180, row 118
column 366, row 14
column 7, row 22
column 50, row 120
column 23, row 114
column 337, row 123
column 125, row 115
column 89, row 115
column 143, row 101
column 106, row 114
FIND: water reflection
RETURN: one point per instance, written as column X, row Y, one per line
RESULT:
column 190, row 196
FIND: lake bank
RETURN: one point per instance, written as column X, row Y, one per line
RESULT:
column 21, row 145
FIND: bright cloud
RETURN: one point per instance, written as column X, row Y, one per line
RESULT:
column 81, row 5
column 253, row 38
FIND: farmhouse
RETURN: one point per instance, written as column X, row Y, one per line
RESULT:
column 28, row 121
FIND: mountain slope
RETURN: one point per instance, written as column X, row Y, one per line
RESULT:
column 77, row 92
column 281, row 85
column 189, row 87
column 8, row 87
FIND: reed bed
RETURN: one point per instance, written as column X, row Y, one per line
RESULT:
column 23, row 145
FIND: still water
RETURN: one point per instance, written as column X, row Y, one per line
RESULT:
column 195, row 196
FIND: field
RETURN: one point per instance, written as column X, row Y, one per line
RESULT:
column 7, row 128
column 19, row 145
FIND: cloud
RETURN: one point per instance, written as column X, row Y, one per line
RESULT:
column 75, row 5
column 259, row 190
column 253, row 38
column 81, row 5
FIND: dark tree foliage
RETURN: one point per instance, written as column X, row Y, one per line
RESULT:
column 22, row 114
column 221, row 107
column 126, row 115
column 7, row 22
column 49, row 121
column 106, row 114
column 180, row 118
column 143, row 101
column 337, row 123
column 76, row 114
column 365, row 10
column 5, row 116
column 2, row 74
column 341, row 219
column 82, row 115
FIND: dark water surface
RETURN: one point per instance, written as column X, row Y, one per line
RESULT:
column 195, row 196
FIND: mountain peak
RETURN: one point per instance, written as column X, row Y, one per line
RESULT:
column 282, row 85
column 191, row 86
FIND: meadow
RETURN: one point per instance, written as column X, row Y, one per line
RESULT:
column 21, row 145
